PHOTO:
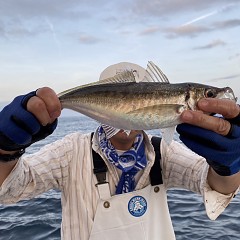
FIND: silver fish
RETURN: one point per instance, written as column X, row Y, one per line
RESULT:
column 153, row 103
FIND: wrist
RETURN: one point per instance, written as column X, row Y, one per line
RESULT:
column 223, row 184
column 225, row 169
column 3, row 152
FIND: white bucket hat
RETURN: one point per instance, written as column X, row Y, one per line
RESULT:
column 111, row 71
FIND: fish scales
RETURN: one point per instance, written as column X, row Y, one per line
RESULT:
column 156, row 90
column 131, row 95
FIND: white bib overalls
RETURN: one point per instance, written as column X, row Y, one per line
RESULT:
column 138, row 215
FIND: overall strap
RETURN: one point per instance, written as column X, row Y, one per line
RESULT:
column 100, row 171
column 156, row 171
column 100, row 168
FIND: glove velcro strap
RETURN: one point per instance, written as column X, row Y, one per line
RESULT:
column 219, row 169
column 11, row 157
column 224, row 170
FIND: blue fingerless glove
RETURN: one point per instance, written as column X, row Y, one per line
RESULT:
column 221, row 152
column 20, row 128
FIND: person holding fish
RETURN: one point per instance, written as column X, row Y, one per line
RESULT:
column 114, row 181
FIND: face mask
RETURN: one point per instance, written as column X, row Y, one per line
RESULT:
column 111, row 131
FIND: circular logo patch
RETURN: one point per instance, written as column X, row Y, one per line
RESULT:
column 137, row 206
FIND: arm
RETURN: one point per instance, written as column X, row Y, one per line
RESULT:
column 44, row 108
column 218, row 132
column 36, row 173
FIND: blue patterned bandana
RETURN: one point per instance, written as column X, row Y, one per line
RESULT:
column 130, row 162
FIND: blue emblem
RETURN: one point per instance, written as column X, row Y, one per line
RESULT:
column 137, row 206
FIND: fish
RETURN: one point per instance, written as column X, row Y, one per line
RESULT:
column 152, row 103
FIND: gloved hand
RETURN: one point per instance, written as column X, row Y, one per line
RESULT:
column 221, row 152
column 19, row 128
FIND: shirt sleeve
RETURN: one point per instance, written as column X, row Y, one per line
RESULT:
column 37, row 173
column 215, row 202
column 182, row 168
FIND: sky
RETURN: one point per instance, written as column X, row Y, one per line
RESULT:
column 66, row 43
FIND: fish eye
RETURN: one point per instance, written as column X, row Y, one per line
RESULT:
column 209, row 93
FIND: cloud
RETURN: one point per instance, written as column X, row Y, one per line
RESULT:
column 19, row 30
column 235, row 76
column 28, row 17
column 149, row 31
column 26, row 9
column 227, row 24
column 88, row 39
column 213, row 44
column 72, row 9
column 210, row 14
column 236, row 56
column 122, row 13
column 194, row 30
column 2, row 30
column 185, row 31
column 164, row 8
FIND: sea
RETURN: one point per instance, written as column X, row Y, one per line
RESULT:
column 40, row 218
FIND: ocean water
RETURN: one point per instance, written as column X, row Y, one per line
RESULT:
column 40, row 218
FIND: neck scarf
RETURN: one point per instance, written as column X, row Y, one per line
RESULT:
column 130, row 162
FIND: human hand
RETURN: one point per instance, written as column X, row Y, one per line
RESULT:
column 215, row 138
column 28, row 119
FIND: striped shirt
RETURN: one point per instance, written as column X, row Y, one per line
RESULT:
column 67, row 165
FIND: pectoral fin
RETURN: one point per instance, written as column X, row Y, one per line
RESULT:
column 157, row 116
column 161, row 110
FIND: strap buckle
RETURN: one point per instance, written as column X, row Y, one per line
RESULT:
column 101, row 178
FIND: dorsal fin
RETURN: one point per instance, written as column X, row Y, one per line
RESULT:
column 124, row 76
column 154, row 74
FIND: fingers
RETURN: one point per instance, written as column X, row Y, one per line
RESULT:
column 51, row 101
column 218, row 125
column 45, row 106
column 227, row 108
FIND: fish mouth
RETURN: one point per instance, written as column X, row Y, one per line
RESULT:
column 227, row 93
